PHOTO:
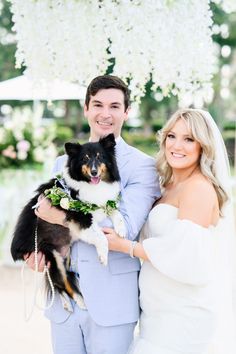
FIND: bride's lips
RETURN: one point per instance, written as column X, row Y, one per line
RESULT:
column 178, row 156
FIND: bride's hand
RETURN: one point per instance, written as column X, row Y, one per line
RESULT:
column 115, row 242
column 119, row 244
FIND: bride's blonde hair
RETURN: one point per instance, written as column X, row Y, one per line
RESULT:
column 201, row 132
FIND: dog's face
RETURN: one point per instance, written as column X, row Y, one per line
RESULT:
column 93, row 162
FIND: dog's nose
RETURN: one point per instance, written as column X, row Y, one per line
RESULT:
column 94, row 173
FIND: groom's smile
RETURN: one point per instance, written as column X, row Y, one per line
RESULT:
column 106, row 124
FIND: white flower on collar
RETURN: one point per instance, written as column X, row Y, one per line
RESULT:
column 65, row 203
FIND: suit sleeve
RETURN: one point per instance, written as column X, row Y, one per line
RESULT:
column 58, row 165
column 139, row 194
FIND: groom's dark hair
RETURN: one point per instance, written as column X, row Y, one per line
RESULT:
column 106, row 82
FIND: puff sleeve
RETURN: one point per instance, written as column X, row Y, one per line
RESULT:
column 185, row 252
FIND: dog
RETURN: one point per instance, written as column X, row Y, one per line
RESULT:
column 90, row 180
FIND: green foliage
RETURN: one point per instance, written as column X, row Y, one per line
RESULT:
column 147, row 144
column 63, row 134
column 229, row 125
column 229, row 139
column 7, row 44
column 156, row 127
column 60, row 197
column 85, row 127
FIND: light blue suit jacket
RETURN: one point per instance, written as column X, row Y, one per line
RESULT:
column 111, row 293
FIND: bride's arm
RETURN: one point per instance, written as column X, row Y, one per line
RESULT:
column 116, row 243
column 192, row 207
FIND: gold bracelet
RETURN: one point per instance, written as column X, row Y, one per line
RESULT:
column 131, row 249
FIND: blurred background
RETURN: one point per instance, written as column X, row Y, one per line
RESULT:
column 33, row 131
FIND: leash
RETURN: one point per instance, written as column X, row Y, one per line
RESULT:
column 37, row 286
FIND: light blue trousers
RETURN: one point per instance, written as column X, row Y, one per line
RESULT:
column 79, row 334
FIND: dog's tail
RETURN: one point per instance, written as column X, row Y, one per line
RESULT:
column 62, row 279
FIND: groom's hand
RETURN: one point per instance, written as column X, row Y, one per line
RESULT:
column 49, row 213
column 30, row 260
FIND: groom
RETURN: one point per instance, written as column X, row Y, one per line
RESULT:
column 110, row 293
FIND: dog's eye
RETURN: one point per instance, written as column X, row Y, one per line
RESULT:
column 85, row 158
column 98, row 156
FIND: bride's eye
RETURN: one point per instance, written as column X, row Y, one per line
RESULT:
column 170, row 136
column 189, row 139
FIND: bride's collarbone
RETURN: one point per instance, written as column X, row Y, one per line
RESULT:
column 171, row 196
column 172, row 192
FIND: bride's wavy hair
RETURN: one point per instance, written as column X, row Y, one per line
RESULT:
column 202, row 133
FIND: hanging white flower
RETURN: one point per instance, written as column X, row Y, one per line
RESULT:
column 168, row 41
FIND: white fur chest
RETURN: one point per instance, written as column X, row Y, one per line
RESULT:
column 98, row 193
column 98, row 215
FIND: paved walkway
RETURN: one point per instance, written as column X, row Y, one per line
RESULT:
column 16, row 335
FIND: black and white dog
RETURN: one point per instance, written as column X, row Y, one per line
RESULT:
column 91, row 176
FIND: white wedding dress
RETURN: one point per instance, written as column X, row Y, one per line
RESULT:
column 182, row 288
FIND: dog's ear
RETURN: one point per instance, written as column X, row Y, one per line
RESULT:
column 108, row 141
column 72, row 148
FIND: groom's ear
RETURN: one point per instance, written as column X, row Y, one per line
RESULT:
column 86, row 110
column 127, row 113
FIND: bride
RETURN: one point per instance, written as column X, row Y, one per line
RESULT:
column 186, row 277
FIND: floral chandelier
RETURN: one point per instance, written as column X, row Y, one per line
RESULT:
column 167, row 41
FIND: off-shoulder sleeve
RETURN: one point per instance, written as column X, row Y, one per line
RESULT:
column 185, row 252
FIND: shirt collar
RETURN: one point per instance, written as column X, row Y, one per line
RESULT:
column 118, row 139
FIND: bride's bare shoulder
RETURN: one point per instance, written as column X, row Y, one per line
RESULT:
column 198, row 200
column 199, row 185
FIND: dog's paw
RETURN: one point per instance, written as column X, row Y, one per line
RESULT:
column 102, row 250
column 120, row 228
column 103, row 259
column 79, row 301
column 119, row 224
